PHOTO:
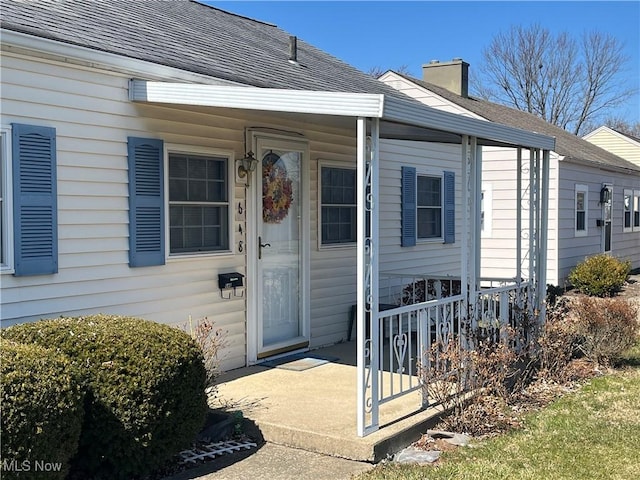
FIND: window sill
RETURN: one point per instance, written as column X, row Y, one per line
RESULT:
column 337, row 246
column 7, row 271
column 422, row 241
column 175, row 257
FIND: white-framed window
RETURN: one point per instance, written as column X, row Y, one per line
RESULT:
column 429, row 207
column 486, row 210
column 199, row 206
column 338, row 204
column 627, row 211
column 581, row 210
column 636, row 210
column 6, row 203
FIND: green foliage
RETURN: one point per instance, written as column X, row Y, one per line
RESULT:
column 606, row 327
column 145, row 384
column 600, row 275
column 42, row 409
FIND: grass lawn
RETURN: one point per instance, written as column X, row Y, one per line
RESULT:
column 591, row 434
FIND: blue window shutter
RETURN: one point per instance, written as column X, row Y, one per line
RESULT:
column 146, row 202
column 408, row 200
column 35, row 207
column 449, row 207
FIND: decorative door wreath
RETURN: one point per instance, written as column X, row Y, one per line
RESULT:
column 277, row 189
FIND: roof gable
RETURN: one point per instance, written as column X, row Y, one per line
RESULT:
column 614, row 133
column 570, row 146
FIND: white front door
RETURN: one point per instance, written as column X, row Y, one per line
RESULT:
column 281, row 247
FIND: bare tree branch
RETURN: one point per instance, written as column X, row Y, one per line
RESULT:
column 377, row 70
column 565, row 82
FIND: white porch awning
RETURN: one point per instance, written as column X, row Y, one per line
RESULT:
column 254, row 98
column 392, row 109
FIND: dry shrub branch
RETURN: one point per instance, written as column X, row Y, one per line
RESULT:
column 474, row 385
column 605, row 327
column 212, row 341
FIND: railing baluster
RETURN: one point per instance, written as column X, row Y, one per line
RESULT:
column 436, row 320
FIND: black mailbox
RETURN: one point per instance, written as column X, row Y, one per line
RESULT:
column 230, row 280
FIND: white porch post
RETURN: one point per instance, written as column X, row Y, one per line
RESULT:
column 468, row 251
column 532, row 233
column 537, row 226
column 464, row 240
column 477, row 210
column 544, row 234
column 367, row 287
column 519, row 218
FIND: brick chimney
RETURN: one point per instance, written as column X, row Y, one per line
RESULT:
column 453, row 75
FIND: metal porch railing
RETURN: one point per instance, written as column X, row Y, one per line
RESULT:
column 400, row 338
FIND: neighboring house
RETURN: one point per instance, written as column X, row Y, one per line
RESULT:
column 594, row 196
column 618, row 143
column 170, row 160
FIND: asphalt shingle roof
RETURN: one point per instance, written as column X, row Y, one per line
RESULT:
column 190, row 36
column 570, row 146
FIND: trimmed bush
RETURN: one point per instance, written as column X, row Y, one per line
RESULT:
column 600, row 275
column 42, row 410
column 606, row 327
column 145, row 385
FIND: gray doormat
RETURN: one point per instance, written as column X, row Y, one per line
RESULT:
column 299, row 361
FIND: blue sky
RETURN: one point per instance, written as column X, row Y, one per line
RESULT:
column 388, row 34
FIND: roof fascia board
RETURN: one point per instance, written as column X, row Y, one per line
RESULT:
column 602, row 128
column 21, row 43
column 405, row 111
column 254, row 98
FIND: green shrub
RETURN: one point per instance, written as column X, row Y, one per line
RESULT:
column 42, row 409
column 600, row 275
column 606, row 327
column 145, row 384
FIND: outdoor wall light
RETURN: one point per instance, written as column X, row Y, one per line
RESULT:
column 605, row 195
column 247, row 165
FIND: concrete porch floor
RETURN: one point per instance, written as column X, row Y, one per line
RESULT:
column 315, row 409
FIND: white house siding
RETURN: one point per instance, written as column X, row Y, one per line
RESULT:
column 499, row 171
column 572, row 249
column 427, row 257
column 93, row 118
column 333, row 269
column 616, row 143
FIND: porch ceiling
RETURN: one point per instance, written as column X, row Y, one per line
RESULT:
column 402, row 119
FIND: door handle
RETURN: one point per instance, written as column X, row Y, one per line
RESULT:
column 260, row 246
